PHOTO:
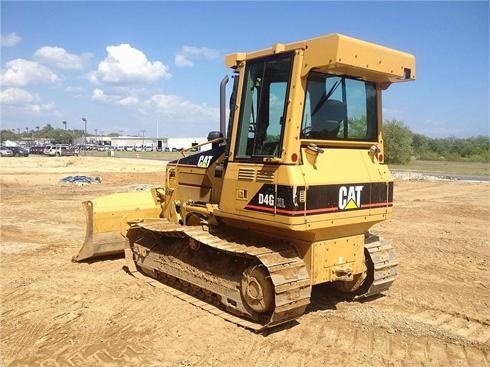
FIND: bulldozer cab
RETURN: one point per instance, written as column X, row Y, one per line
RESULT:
column 336, row 107
column 326, row 90
column 306, row 127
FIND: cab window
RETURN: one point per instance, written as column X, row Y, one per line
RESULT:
column 263, row 104
column 339, row 108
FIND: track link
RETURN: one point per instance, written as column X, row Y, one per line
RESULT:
column 382, row 266
column 151, row 239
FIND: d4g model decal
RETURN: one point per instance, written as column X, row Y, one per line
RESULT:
column 321, row 199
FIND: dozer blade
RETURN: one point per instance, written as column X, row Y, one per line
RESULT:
column 108, row 218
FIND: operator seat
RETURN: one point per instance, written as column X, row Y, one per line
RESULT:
column 325, row 123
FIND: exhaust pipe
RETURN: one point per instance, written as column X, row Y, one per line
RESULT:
column 222, row 105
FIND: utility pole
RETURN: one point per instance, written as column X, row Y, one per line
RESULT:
column 84, row 136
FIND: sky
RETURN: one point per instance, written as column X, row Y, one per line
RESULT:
column 154, row 68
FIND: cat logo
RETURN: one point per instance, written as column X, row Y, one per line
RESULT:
column 204, row 161
column 350, row 197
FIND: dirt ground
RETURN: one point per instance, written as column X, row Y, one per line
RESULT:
column 58, row 313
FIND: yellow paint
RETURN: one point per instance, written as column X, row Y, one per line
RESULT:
column 332, row 257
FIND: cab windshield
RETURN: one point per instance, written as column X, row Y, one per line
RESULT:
column 339, row 108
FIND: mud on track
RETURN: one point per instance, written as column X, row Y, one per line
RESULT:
column 57, row 313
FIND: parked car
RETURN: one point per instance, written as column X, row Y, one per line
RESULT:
column 59, row 150
column 47, row 149
column 37, row 149
column 5, row 152
column 19, row 151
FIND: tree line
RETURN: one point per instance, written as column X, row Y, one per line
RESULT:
column 55, row 135
column 401, row 145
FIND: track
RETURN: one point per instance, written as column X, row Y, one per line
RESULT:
column 382, row 266
column 214, row 266
column 206, row 269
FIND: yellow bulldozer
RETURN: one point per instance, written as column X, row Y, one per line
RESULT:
column 281, row 198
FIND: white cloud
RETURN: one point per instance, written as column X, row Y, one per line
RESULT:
column 98, row 95
column 20, row 72
column 20, row 104
column 73, row 89
column 125, row 64
column 58, row 57
column 46, row 107
column 10, row 40
column 184, row 56
column 128, row 101
column 182, row 61
column 12, row 96
column 178, row 116
column 179, row 109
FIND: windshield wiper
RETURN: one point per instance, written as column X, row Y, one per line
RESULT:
column 325, row 97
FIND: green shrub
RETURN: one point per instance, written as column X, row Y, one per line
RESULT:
column 397, row 142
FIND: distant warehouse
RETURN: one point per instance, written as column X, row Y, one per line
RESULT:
column 142, row 143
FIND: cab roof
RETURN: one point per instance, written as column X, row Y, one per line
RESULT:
column 343, row 55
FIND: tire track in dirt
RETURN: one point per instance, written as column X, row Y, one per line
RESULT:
column 124, row 341
column 401, row 332
column 394, row 347
column 113, row 347
column 464, row 315
column 102, row 353
column 455, row 324
column 345, row 340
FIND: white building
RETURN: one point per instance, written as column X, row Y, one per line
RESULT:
column 183, row 143
column 140, row 142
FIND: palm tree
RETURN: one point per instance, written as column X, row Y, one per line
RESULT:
column 64, row 123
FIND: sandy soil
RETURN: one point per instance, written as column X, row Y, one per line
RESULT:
column 58, row 313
